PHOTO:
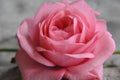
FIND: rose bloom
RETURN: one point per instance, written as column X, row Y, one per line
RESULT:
column 64, row 41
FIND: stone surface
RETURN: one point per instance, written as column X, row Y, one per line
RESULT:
column 14, row 74
column 5, row 58
column 11, row 74
column 112, row 74
column 114, row 60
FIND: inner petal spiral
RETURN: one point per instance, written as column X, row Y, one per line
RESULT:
column 64, row 22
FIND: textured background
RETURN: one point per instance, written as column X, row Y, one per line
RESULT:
column 12, row 12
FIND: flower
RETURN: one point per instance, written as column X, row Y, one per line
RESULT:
column 64, row 41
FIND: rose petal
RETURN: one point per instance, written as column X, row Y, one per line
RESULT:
column 60, row 58
column 26, row 44
column 58, row 34
column 89, row 46
column 97, row 13
column 86, row 13
column 77, row 26
column 101, row 27
column 96, row 74
column 65, row 46
column 74, row 39
column 83, row 8
column 80, row 27
column 83, row 35
column 46, row 10
column 45, row 26
column 80, row 74
column 56, row 16
column 81, row 55
column 82, row 11
column 32, row 31
column 32, row 70
column 102, row 52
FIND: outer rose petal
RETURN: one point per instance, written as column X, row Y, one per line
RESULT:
column 46, row 10
column 33, row 31
column 32, row 70
column 71, row 47
column 64, row 59
column 101, row 27
column 26, row 44
column 102, row 52
column 95, row 74
column 80, row 8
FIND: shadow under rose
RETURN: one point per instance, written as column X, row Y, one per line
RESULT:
column 11, row 74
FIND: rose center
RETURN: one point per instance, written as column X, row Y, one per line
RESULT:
column 64, row 23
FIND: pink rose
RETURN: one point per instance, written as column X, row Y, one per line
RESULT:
column 63, row 41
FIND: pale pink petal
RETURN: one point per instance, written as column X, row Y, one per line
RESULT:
column 81, row 8
column 56, row 16
column 97, row 73
column 77, row 26
column 80, row 74
column 46, row 10
column 69, row 29
column 65, row 46
column 100, row 30
column 105, row 46
column 89, row 46
column 86, row 14
column 26, row 44
column 74, row 39
column 80, row 26
column 51, row 21
column 64, row 22
column 101, row 27
column 83, row 35
column 81, row 55
column 33, row 31
column 29, row 22
column 64, row 59
column 51, row 27
column 58, row 35
column 43, row 42
column 97, row 13
column 32, row 70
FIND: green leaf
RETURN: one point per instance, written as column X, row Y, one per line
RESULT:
column 111, row 65
column 8, row 49
column 117, row 52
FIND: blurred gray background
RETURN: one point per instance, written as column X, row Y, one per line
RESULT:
column 12, row 12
